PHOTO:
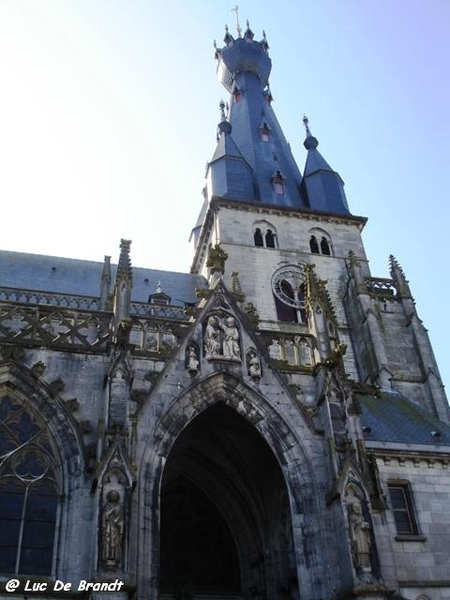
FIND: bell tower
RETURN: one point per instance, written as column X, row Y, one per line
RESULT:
column 294, row 252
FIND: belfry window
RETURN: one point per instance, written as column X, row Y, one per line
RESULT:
column 320, row 243
column 270, row 239
column 258, row 237
column 313, row 245
column 265, row 235
column 28, row 492
column 325, row 246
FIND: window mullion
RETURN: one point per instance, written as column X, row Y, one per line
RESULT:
column 21, row 528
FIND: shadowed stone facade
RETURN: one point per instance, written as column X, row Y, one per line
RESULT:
column 279, row 432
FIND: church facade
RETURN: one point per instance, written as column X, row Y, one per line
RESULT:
column 271, row 425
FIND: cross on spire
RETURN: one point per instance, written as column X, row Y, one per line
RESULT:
column 238, row 26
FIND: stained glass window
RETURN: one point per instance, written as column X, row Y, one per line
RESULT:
column 28, row 492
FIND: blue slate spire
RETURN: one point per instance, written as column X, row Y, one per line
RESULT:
column 322, row 187
column 243, row 165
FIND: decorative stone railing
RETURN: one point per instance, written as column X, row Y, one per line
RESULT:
column 49, row 299
column 379, row 286
column 154, row 310
column 88, row 303
column 56, row 327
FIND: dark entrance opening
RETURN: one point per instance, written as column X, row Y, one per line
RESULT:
column 199, row 552
column 225, row 518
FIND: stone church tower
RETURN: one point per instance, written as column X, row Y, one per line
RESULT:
column 279, row 432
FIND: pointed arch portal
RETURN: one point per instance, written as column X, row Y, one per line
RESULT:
column 225, row 518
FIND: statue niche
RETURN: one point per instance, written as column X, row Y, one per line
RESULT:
column 221, row 338
column 112, row 522
column 192, row 362
column 360, row 534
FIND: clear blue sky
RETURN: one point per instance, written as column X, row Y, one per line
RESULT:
column 109, row 108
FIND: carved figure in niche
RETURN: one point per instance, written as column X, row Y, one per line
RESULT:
column 212, row 337
column 192, row 360
column 254, row 365
column 360, row 534
column 275, row 350
column 305, row 352
column 112, row 530
column 230, row 338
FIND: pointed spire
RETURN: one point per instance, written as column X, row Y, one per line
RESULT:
column 124, row 269
column 105, row 283
column 244, row 69
column 264, row 43
column 248, row 35
column 122, row 293
column 400, row 281
column 228, row 39
column 322, row 186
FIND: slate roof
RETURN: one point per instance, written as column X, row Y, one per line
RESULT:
column 393, row 418
column 82, row 277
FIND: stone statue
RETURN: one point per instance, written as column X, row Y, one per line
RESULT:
column 112, row 531
column 360, row 535
column 192, row 361
column 230, row 343
column 212, row 337
column 254, row 365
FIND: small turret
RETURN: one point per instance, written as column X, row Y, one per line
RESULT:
column 323, row 187
column 398, row 276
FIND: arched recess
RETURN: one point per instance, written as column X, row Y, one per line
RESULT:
column 40, row 462
column 223, row 447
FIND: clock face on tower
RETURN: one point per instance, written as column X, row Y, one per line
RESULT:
column 288, row 286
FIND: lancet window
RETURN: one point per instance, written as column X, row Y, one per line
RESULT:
column 28, row 492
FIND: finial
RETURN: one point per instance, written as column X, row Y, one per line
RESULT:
column 238, row 27
column 398, row 275
column 224, row 125
column 311, row 142
column 215, row 45
column 222, row 110
column 306, row 124
column 249, row 35
column 124, row 268
column 264, row 43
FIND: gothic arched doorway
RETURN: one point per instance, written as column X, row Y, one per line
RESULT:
column 225, row 518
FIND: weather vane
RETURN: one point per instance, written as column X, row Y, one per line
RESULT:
column 238, row 27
